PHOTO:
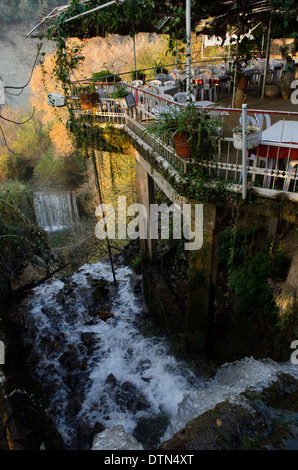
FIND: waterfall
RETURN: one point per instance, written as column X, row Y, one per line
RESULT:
column 98, row 369
column 55, row 210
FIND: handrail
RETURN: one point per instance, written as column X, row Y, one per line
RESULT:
column 209, row 59
column 227, row 162
column 218, row 108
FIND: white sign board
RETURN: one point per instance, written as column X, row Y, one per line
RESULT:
column 130, row 100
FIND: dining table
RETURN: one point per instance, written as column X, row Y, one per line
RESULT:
column 168, row 90
column 272, row 149
column 282, row 132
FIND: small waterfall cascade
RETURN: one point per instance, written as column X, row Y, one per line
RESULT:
column 55, row 210
column 98, row 369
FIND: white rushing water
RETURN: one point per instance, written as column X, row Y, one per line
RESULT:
column 120, row 350
column 55, row 210
column 157, row 382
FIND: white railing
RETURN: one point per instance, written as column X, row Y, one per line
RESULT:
column 271, row 165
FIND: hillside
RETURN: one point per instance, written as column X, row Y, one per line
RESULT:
column 16, row 60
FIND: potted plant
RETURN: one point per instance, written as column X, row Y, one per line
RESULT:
column 88, row 96
column 288, row 77
column 119, row 94
column 105, row 75
column 136, row 75
column 190, row 128
column 253, row 136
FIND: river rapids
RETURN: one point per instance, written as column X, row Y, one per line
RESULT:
column 101, row 371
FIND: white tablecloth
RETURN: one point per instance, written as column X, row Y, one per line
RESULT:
column 281, row 131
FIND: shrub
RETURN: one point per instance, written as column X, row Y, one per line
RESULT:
column 251, row 284
column 106, row 75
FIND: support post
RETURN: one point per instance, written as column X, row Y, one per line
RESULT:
column 267, row 56
column 244, row 151
column 201, row 286
column 235, row 64
column 134, row 53
column 145, row 196
column 188, row 47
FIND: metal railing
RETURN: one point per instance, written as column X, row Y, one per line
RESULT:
column 270, row 164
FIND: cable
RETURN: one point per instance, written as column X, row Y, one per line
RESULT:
column 11, row 151
column 24, row 86
column 18, row 123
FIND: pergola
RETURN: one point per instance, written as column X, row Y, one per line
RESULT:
column 90, row 18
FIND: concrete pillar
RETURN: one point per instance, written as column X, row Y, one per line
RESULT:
column 145, row 196
column 202, row 285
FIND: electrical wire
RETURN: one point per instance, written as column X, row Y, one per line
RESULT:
column 18, row 123
column 18, row 94
column 5, row 141
column 26, row 84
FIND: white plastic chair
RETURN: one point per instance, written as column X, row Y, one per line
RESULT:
column 182, row 96
column 155, row 82
column 250, row 120
column 137, row 83
column 162, row 77
column 166, row 96
column 260, row 119
column 170, row 83
column 174, row 74
column 292, row 164
column 206, row 86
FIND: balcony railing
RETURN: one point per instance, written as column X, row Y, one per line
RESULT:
column 272, row 164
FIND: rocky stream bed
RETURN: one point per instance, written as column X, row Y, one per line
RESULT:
column 112, row 383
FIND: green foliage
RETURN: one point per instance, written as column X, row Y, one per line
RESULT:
column 136, row 264
column 67, row 60
column 250, row 282
column 27, row 142
column 197, row 125
column 105, row 75
column 236, row 245
column 21, row 240
column 137, row 75
column 21, row 194
column 119, row 92
column 68, row 171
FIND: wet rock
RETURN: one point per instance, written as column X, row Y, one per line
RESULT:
column 101, row 289
column 104, row 315
column 90, row 339
column 115, row 439
column 222, row 428
column 264, row 420
column 70, row 380
column 126, row 396
column 75, row 404
column 149, row 431
column 129, row 398
column 111, row 380
column 70, row 358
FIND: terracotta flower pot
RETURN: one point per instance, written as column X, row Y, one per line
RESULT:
column 88, row 100
column 242, row 83
column 182, row 147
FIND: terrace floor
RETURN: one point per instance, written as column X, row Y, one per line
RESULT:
column 270, row 104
